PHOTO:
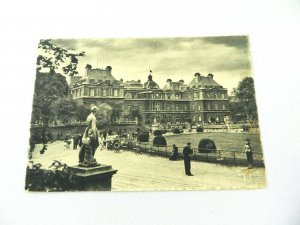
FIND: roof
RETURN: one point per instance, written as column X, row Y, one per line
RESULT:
column 74, row 80
column 132, row 84
column 150, row 84
column 203, row 82
column 100, row 74
column 177, row 86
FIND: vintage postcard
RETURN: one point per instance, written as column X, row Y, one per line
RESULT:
column 144, row 114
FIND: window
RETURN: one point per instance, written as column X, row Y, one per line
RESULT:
column 167, row 107
column 193, row 106
column 176, row 107
column 199, row 107
column 116, row 93
column 92, row 92
column 208, row 106
column 169, row 96
column 177, row 119
column 104, row 92
column 200, row 119
column 194, row 118
column 176, row 96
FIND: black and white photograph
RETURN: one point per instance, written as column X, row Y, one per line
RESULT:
column 150, row 112
column 144, row 114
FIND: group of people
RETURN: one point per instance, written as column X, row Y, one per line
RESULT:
column 187, row 152
column 89, row 142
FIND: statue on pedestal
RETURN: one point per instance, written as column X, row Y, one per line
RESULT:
column 90, row 142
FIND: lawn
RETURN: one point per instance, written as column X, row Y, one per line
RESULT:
column 223, row 141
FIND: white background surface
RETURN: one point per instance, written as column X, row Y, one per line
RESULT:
column 273, row 27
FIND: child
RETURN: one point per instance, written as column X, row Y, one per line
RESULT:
column 249, row 153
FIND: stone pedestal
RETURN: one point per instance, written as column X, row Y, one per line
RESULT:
column 94, row 178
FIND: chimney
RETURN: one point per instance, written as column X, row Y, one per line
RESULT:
column 109, row 69
column 197, row 76
column 139, row 81
column 181, row 81
column 210, row 75
column 121, row 80
column 150, row 77
column 88, row 68
column 169, row 80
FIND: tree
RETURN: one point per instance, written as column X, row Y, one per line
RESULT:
column 50, row 85
column 82, row 112
column 48, row 88
column 53, row 57
column 136, row 113
column 116, row 112
column 63, row 109
column 103, row 114
column 243, row 100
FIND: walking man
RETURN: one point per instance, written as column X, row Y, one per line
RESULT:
column 187, row 151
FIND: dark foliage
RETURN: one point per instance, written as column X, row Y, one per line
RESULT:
column 206, row 145
column 143, row 137
column 176, row 131
column 158, row 132
column 48, row 89
column 159, row 141
column 59, row 179
column 54, row 57
column 243, row 102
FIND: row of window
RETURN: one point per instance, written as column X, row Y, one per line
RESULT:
column 133, row 95
column 96, row 92
column 156, row 106
column 195, row 118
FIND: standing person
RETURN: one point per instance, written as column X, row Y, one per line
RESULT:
column 104, row 134
column 249, row 153
column 187, row 151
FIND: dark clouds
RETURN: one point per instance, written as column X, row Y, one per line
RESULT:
column 226, row 57
column 232, row 41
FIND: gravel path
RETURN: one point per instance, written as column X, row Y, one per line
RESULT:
column 144, row 173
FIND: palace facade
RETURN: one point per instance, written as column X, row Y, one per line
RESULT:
column 200, row 101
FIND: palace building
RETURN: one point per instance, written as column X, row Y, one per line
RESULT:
column 200, row 101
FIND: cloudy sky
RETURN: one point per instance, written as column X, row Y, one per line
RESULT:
column 228, row 58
